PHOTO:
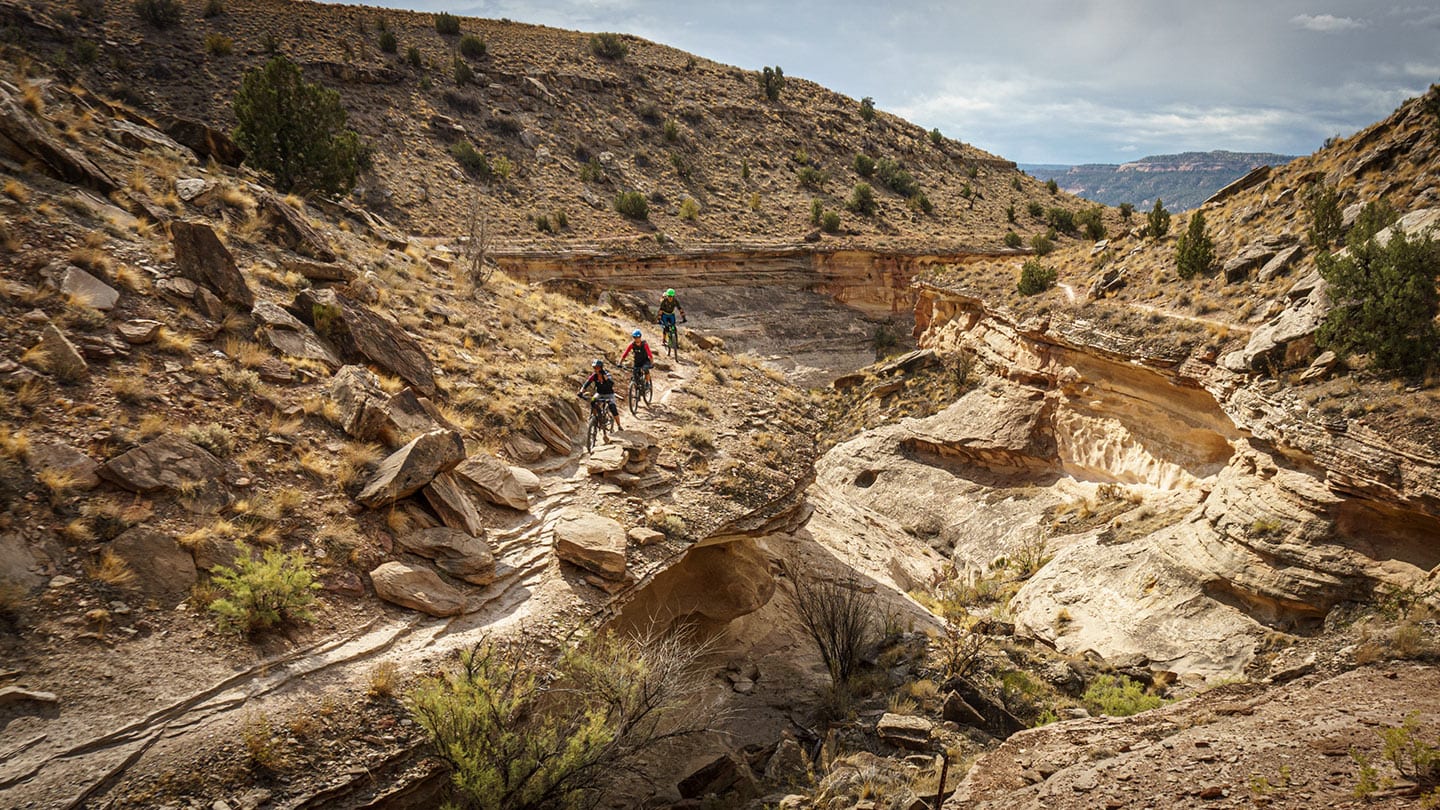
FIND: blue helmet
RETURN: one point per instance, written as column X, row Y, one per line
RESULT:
column 636, row 333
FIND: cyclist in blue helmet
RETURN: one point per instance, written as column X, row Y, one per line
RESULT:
column 644, row 358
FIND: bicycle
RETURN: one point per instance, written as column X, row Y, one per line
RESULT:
column 670, row 337
column 601, row 421
column 640, row 388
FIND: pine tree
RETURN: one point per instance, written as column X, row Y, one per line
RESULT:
column 296, row 131
column 1158, row 220
column 1195, row 250
column 1384, row 302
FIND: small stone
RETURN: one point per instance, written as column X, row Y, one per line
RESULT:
column 61, row 581
column 644, row 536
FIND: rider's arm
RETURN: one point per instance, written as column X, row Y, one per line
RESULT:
column 626, row 353
column 649, row 355
column 589, row 381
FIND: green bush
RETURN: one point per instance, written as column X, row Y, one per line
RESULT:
column 772, row 82
column 1061, row 219
column 1041, row 244
column 671, row 130
column 936, row 138
column 921, row 202
column 1010, row 213
column 1092, row 220
column 1052, row 186
column 1157, row 222
column 412, row 57
column 1035, row 209
column 472, row 47
column 864, row 165
column 388, row 42
column 632, row 204
column 278, row 589
column 1015, row 183
column 867, row 109
column 471, row 159
column 520, row 732
column 862, row 200
column 447, row 24
column 295, row 131
column 160, row 14
column 1194, row 251
column 592, row 171
column 1035, row 278
column 1127, row 210
column 811, row 177
column 830, row 222
column 1376, row 216
column 464, row 74
column 689, row 209
column 1118, row 696
column 1012, row 239
column 894, row 177
column 817, row 210
column 1384, row 302
column 502, row 167
column 217, row 44
column 1322, row 203
column 608, row 46
column 213, row 8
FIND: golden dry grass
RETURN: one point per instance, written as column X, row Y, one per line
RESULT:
column 111, row 570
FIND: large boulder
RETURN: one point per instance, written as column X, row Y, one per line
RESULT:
column 88, row 290
column 904, row 730
column 58, row 458
column 363, row 335
column 593, row 542
column 494, row 482
column 366, row 411
column 291, row 229
column 173, row 466
column 287, row 335
column 58, row 355
column 413, row 466
column 206, row 141
column 457, row 553
column 452, row 503
column 162, row 568
column 204, row 260
column 417, row 588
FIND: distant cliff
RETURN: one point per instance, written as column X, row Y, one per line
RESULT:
column 1182, row 181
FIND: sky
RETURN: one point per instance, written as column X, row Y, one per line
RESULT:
column 1059, row 81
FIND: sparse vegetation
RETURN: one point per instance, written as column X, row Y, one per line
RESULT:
column 471, row 159
column 1013, row 240
column 830, row 222
column 632, row 204
column 1035, row 278
column 1157, row 222
column 447, row 24
column 276, row 590
column 1041, row 244
column 217, row 44
column 1118, row 696
column 1322, row 205
column 689, row 209
column 838, row 616
column 160, row 14
column 296, row 131
column 864, row 165
column 867, row 109
column 472, row 47
column 389, row 43
column 521, row 733
column 1093, row 222
column 609, row 46
column 862, row 200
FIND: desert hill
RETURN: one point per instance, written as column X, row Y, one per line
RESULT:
column 574, row 128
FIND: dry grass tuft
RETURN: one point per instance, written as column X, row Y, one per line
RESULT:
column 17, row 191
column 111, row 570
column 384, row 680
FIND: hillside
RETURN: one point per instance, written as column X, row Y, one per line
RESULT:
column 575, row 128
column 1182, row 180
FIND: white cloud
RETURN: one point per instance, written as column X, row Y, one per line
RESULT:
column 1326, row 23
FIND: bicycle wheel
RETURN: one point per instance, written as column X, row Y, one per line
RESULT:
column 647, row 389
column 592, row 432
column 632, row 395
column 672, row 342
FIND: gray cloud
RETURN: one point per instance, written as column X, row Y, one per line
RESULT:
column 1058, row 81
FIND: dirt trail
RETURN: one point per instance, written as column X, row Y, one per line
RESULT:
column 75, row 764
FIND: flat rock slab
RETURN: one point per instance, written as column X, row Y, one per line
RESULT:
column 494, row 481
column 162, row 568
column 448, row 497
column 417, row 588
column 139, row 331
column 903, row 730
column 172, row 465
column 14, row 694
column 61, row 458
column 606, row 458
column 593, row 542
column 88, row 290
column 456, row 553
column 413, row 466
column 203, row 259
column 60, row 356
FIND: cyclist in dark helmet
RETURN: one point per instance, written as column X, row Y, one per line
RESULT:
column 604, row 385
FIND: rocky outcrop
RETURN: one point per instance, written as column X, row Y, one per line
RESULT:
column 455, row 552
column 493, row 481
column 173, row 466
column 285, row 334
column 62, row 460
column 405, row 471
column 58, row 356
column 417, row 588
column 204, row 260
column 291, row 229
column 367, row 412
column 593, row 542
column 360, row 334
column 23, row 139
column 161, row 567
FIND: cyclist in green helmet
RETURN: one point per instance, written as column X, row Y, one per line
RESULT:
column 669, row 306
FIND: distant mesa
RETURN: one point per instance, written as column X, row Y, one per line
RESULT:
column 1183, row 180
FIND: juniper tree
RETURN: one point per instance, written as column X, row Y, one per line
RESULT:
column 295, row 131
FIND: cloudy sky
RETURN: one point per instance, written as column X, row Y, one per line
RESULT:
column 1060, row 81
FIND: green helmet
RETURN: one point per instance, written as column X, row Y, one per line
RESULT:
column 670, row 293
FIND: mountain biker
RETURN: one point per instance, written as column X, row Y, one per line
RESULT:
column 604, row 389
column 668, row 306
column 644, row 358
